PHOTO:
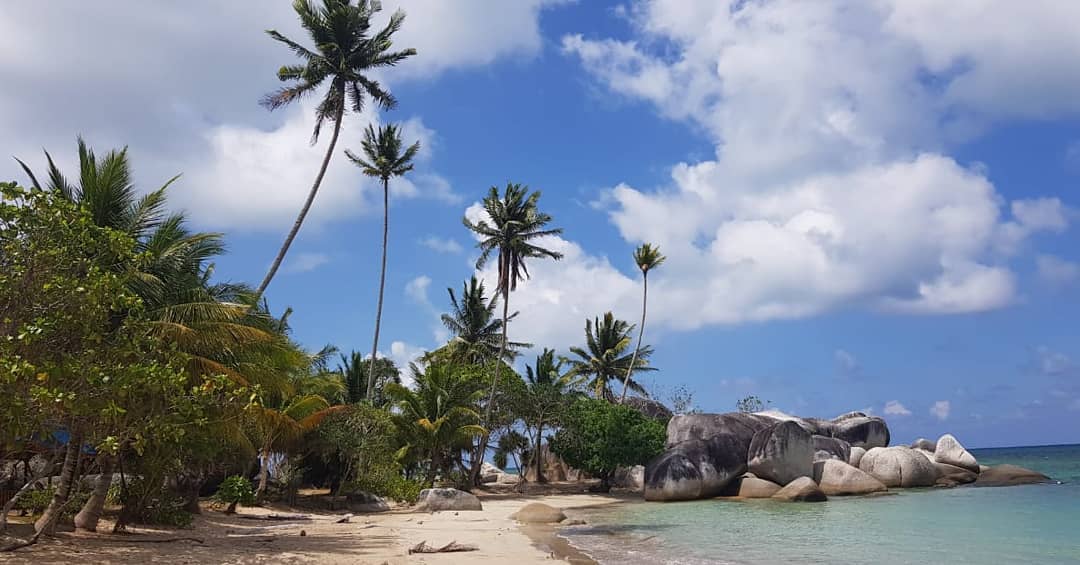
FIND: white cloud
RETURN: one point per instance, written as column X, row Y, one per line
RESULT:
column 894, row 408
column 442, row 245
column 417, row 289
column 304, row 262
column 1052, row 363
column 1056, row 271
column 940, row 410
column 846, row 362
column 403, row 354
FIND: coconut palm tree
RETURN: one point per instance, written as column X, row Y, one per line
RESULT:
column 547, row 387
column 344, row 52
column 354, row 369
column 383, row 158
column 647, row 257
column 513, row 226
column 604, row 359
column 475, row 328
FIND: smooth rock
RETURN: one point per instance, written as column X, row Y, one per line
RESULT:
column 899, row 466
column 927, row 454
column 952, row 473
column 1009, row 475
column 684, row 427
column 856, row 456
column 538, row 513
column 923, row 443
column 749, row 486
column 630, row 478
column 862, row 431
column 833, row 448
column 439, row 499
column 362, row 501
column 951, row 452
column 696, row 469
column 802, row 489
column 781, row 453
column 836, row 478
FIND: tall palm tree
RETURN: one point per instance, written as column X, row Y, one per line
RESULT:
column 512, row 226
column 353, row 370
column 475, row 328
column 647, row 257
column 344, row 51
column 604, row 359
column 547, row 388
column 383, row 158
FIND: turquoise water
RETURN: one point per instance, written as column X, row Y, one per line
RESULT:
column 1023, row 524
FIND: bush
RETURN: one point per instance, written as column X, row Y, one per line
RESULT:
column 150, row 503
column 235, row 490
column 390, row 485
column 598, row 437
column 35, row 501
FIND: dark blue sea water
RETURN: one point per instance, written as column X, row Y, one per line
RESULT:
column 1037, row 524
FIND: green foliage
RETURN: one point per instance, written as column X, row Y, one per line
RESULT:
column 750, row 404
column 149, row 502
column 389, row 483
column 511, row 444
column 361, row 441
column 235, row 490
column 35, row 501
column 475, row 328
column 597, row 437
column 605, row 359
column 354, row 370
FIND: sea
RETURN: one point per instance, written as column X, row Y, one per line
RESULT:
column 1037, row 524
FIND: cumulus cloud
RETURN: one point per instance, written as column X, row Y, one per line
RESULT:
column 894, row 408
column 442, row 245
column 304, row 262
column 941, row 409
column 417, row 289
column 1056, row 271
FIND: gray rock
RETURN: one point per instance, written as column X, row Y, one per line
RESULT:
column 836, row 478
column 362, row 501
column 951, row 452
column 749, row 486
column 630, row 478
column 538, row 513
column 862, row 431
column 802, row 489
column 440, row 499
column 955, row 475
column 684, row 427
column 832, row 447
column 696, row 469
column 856, row 456
column 649, row 408
column 928, row 455
column 923, row 443
column 899, row 466
column 1009, row 475
column 781, row 453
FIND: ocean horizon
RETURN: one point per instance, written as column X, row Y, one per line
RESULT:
column 1020, row 524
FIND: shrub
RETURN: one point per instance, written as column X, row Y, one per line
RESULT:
column 235, row 490
column 146, row 502
column 35, row 501
column 390, row 485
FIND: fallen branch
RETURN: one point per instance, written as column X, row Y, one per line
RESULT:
column 128, row 539
column 344, row 519
column 278, row 517
column 452, row 547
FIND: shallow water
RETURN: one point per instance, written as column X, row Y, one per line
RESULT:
column 1022, row 524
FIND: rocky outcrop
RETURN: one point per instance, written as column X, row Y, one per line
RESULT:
column 440, row 499
column 899, row 467
column 361, row 501
column 781, row 453
column 630, row 478
column 1009, row 475
column 923, row 443
column 949, row 451
column 831, row 448
column 836, row 478
column 856, row 456
column 538, row 513
column 749, row 486
column 696, row 468
column 950, row 475
column 860, row 430
column 686, row 427
column 802, row 489
column 649, row 408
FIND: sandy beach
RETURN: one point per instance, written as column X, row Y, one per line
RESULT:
column 368, row 538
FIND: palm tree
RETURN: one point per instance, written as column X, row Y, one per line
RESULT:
column 647, row 257
column 605, row 360
column 354, row 369
column 515, row 224
column 439, row 416
column 546, row 393
column 344, row 52
column 383, row 158
column 474, row 326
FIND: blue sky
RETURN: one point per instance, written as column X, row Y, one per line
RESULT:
column 866, row 205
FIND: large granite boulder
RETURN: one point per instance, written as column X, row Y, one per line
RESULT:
column 538, row 513
column 831, row 448
column 802, row 489
column 923, row 443
column 860, row 430
column 649, row 408
column 781, row 453
column 696, row 468
column 749, row 486
column 362, row 501
column 899, row 466
column 630, row 478
column 856, row 456
column 685, row 427
column 836, row 478
column 951, row 475
column 1009, row 475
column 439, row 499
column 950, row 452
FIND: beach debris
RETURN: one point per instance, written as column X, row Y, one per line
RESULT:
column 275, row 517
column 344, row 519
column 452, row 547
column 133, row 539
column 303, row 533
column 575, row 523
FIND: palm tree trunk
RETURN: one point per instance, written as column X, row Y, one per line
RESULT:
column 264, row 475
column 537, row 454
column 307, row 206
column 47, row 522
column 479, row 459
column 87, row 518
column 641, row 332
column 382, row 285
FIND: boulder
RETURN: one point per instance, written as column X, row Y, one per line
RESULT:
column 1009, row 475
column 923, row 443
column 899, row 466
column 856, row 456
column 781, row 453
column 952, row 474
column 928, row 455
column 861, row 431
column 362, row 501
column 630, row 478
column 802, row 489
column 749, row 486
column 684, row 427
column 950, row 452
column 836, row 478
column 649, row 408
column 538, row 513
column 439, row 499
column 831, row 448
column 696, row 469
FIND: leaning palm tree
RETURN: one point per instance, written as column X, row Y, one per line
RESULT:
column 604, row 359
column 344, row 52
column 383, row 158
column 647, row 257
column 515, row 225
column 475, row 329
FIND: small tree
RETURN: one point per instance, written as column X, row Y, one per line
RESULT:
column 598, row 437
column 235, row 490
column 750, row 404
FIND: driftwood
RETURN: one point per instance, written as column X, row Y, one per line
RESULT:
column 452, row 547
column 130, row 539
column 344, row 519
column 278, row 517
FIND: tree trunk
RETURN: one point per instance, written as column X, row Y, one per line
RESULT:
column 538, row 454
column 87, row 518
column 494, row 382
column 307, row 206
column 641, row 332
column 264, row 476
column 46, row 524
column 382, row 285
